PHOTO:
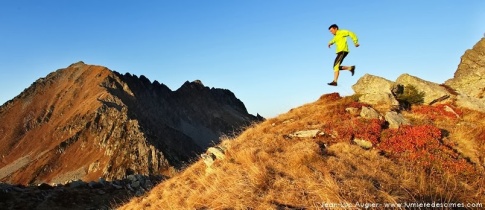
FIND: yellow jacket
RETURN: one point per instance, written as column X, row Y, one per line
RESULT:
column 340, row 38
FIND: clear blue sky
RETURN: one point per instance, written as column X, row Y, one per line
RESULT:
column 272, row 54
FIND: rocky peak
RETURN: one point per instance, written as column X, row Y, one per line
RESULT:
column 469, row 78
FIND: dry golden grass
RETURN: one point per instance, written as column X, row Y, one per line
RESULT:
column 266, row 169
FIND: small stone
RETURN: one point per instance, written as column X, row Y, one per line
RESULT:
column 363, row 143
column 217, row 151
column 135, row 184
column 118, row 187
column 305, row 134
column 132, row 178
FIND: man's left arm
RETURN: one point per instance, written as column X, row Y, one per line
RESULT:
column 353, row 37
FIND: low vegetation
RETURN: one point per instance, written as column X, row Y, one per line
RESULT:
column 410, row 96
column 438, row 159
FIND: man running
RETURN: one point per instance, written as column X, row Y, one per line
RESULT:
column 340, row 38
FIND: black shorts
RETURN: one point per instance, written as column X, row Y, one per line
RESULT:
column 339, row 59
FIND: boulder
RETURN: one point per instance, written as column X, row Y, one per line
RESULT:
column 395, row 119
column 431, row 90
column 375, row 90
column 369, row 113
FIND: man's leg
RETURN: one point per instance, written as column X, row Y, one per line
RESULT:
column 335, row 75
column 336, row 66
column 350, row 68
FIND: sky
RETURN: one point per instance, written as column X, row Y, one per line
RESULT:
column 272, row 54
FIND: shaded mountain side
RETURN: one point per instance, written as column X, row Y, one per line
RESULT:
column 86, row 121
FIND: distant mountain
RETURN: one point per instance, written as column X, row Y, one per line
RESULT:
column 86, row 122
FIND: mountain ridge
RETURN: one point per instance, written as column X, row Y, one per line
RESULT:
column 119, row 125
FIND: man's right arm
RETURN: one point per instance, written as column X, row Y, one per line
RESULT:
column 331, row 42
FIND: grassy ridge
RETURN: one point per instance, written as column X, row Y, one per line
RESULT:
column 439, row 158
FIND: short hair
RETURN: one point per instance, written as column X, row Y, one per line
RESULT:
column 333, row 26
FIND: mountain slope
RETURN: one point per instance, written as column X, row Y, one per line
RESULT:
column 86, row 122
column 274, row 166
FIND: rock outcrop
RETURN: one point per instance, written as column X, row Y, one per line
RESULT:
column 466, row 89
column 469, row 78
column 375, row 90
column 86, row 121
column 432, row 90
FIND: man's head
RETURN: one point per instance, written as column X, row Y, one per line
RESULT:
column 333, row 29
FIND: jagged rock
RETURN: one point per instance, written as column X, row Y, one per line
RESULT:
column 469, row 78
column 135, row 184
column 198, row 82
column 305, row 134
column 77, row 184
column 375, row 90
column 431, row 90
column 95, row 185
column 102, row 181
column 395, row 119
column 132, row 178
column 140, row 192
column 148, row 184
column 369, row 113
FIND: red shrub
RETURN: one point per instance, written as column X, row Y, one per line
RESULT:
column 421, row 146
column 331, row 97
column 369, row 130
column 409, row 138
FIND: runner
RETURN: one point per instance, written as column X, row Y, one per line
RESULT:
column 340, row 39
